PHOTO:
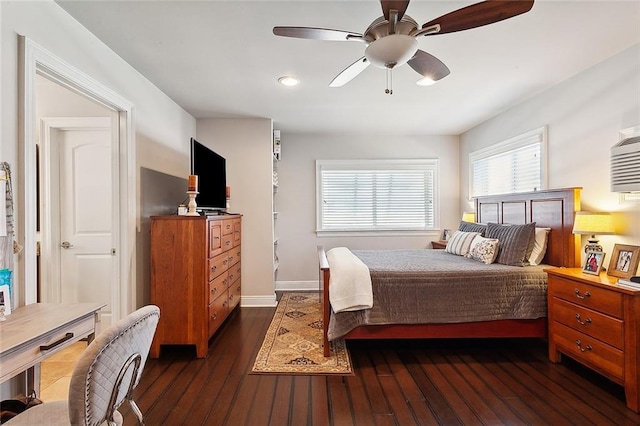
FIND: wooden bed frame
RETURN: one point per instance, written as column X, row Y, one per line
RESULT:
column 553, row 209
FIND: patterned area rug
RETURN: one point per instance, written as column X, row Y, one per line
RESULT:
column 293, row 343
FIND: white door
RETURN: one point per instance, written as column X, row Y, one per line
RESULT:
column 80, row 265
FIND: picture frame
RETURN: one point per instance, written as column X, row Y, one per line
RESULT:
column 446, row 234
column 5, row 299
column 593, row 262
column 624, row 261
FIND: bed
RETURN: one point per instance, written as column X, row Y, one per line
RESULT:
column 552, row 209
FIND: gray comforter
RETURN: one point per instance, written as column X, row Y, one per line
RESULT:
column 433, row 286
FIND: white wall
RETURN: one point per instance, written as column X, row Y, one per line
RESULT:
column 296, row 202
column 246, row 145
column 162, row 127
column 584, row 115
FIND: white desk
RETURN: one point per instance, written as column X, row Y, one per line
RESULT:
column 34, row 332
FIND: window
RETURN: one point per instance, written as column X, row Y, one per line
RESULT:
column 376, row 195
column 516, row 165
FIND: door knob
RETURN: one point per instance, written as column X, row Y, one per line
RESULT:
column 66, row 245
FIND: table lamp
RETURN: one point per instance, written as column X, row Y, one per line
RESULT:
column 469, row 216
column 593, row 223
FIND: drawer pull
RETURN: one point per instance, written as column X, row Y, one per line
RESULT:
column 214, row 269
column 586, row 294
column 66, row 337
column 214, row 316
column 213, row 290
column 230, row 258
column 586, row 348
column 585, row 322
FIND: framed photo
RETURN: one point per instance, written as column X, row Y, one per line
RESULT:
column 446, row 234
column 5, row 300
column 624, row 262
column 593, row 262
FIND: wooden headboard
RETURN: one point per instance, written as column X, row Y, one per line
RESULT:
column 552, row 208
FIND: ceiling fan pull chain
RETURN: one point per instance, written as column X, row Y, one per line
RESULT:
column 389, row 89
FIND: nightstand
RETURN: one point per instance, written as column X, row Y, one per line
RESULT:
column 597, row 323
column 438, row 245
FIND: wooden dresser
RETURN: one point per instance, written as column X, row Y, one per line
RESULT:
column 195, row 277
column 597, row 323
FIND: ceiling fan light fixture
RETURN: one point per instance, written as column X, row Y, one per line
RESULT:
column 391, row 51
column 425, row 81
column 288, row 80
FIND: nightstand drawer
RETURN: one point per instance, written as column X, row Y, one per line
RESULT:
column 608, row 302
column 590, row 322
column 590, row 351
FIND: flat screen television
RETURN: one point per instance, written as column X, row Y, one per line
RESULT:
column 211, row 170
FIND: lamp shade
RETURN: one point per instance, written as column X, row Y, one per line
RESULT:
column 593, row 223
column 469, row 216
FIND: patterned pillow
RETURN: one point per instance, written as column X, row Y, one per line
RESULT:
column 483, row 249
column 460, row 242
column 514, row 242
column 472, row 227
column 539, row 246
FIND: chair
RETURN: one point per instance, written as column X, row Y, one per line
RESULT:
column 104, row 376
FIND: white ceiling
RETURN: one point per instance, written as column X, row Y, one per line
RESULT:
column 221, row 59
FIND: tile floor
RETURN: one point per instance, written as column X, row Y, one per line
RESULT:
column 55, row 372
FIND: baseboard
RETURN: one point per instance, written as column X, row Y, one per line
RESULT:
column 297, row 286
column 258, row 301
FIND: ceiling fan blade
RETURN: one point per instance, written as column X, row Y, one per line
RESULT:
column 350, row 72
column 479, row 14
column 316, row 33
column 428, row 66
column 388, row 5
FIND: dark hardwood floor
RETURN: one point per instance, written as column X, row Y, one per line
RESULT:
column 432, row 382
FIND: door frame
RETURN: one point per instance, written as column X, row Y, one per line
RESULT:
column 50, row 271
column 33, row 60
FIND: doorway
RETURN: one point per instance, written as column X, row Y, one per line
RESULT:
column 36, row 61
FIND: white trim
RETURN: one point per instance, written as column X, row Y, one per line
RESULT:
column 258, row 301
column 297, row 285
column 35, row 59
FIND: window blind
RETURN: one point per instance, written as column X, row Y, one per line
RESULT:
column 380, row 196
column 516, row 165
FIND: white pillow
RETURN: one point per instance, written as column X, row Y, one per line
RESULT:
column 460, row 242
column 483, row 249
column 539, row 246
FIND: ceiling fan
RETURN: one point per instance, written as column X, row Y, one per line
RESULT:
column 391, row 39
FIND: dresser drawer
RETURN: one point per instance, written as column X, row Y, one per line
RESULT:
column 218, row 311
column 589, row 351
column 227, row 227
column 218, row 265
column 234, row 273
column 234, row 256
column 237, row 232
column 598, row 298
column 227, row 242
column 218, row 286
column 602, row 327
column 235, row 293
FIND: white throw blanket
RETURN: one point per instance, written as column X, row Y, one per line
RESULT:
column 349, row 282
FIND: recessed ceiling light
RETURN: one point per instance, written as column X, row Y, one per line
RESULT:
column 287, row 80
column 426, row 81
